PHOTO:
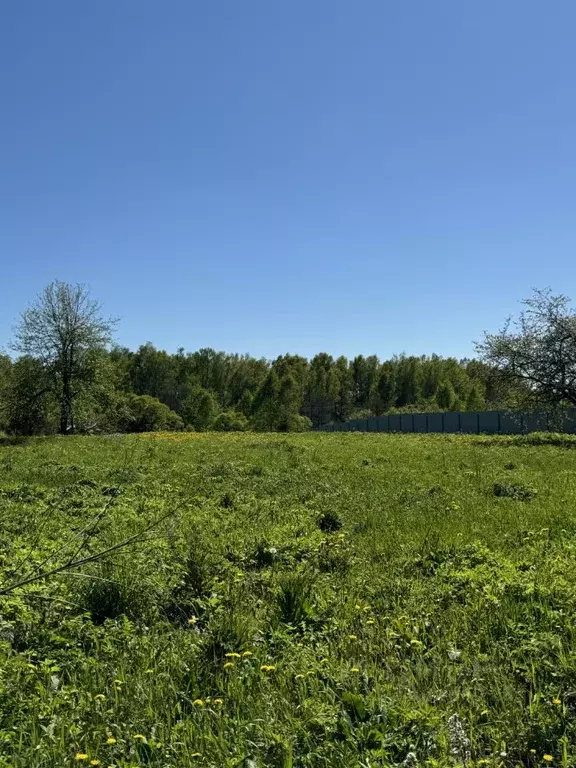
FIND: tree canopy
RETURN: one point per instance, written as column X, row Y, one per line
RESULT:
column 60, row 330
column 68, row 377
column 537, row 350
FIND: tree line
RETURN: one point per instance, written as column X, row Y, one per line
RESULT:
column 70, row 376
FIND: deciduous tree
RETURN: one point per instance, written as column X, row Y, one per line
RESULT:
column 538, row 349
column 60, row 330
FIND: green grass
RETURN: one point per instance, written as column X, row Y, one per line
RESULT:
column 369, row 588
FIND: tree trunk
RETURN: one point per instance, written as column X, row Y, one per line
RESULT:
column 66, row 420
column 63, row 415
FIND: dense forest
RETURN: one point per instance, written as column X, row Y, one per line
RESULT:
column 70, row 376
column 150, row 389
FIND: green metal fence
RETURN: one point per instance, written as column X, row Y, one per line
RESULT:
column 468, row 422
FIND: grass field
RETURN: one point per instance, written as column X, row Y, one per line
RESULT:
column 315, row 600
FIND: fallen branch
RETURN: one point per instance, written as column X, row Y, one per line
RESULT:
column 72, row 563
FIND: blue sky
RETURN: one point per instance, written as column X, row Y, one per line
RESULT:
column 265, row 177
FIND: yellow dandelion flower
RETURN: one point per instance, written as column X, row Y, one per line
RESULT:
column 556, row 702
column 310, row 673
column 245, row 654
column 358, row 607
column 99, row 697
column 192, row 620
column 94, row 762
column 547, row 758
column 352, row 637
column 219, row 702
column 110, row 740
column 532, row 751
column 267, row 668
column 228, row 664
column 198, row 703
column 81, row 756
column 232, row 655
column 370, row 621
column 354, row 669
column 140, row 737
column 300, row 645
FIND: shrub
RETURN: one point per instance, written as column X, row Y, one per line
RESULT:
column 230, row 421
column 200, row 408
column 357, row 415
column 298, row 423
column 144, row 413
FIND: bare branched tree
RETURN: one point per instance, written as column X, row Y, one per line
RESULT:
column 61, row 329
column 538, row 350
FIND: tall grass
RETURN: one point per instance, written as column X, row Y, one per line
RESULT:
column 321, row 600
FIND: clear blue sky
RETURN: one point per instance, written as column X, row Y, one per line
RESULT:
column 303, row 176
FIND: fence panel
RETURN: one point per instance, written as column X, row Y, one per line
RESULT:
column 383, row 425
column 511, row 423
column 569, row 424
column 420, row 422
column 435, row 422
column 468, row 422
column 451, row 422
column 406, row 422
column 489, row 422
column 535, row 422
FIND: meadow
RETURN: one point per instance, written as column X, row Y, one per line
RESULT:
column 309, row 600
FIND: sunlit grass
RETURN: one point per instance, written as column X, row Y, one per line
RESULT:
column 317, row 600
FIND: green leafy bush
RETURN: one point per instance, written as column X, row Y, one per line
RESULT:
column 298, row 423
column 230, row 421
column 147, row 414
